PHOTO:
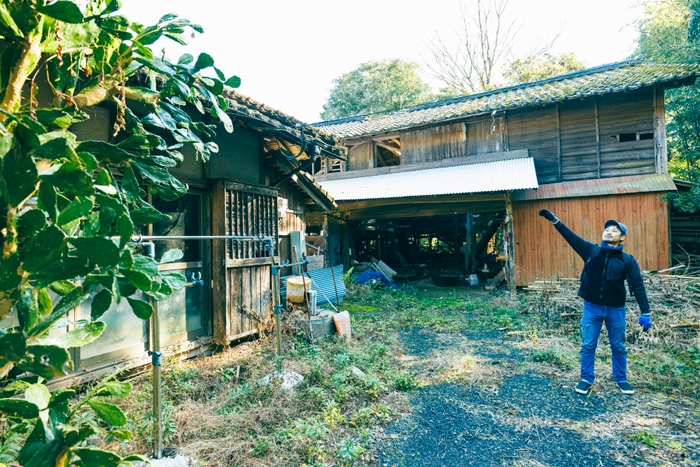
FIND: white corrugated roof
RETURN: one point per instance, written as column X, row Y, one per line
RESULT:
column 504, row 175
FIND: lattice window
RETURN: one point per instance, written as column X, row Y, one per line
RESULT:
column 250, row 211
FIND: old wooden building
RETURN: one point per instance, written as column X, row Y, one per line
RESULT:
column 436, row 183
column 254, row 186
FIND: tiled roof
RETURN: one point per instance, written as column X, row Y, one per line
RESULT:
column 503, row 175
column 607, row 79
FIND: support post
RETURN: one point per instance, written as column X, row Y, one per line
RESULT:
column 509, row 244
column 470, row 243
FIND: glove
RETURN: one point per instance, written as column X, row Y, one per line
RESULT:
column 549, row 215
column 645, row 322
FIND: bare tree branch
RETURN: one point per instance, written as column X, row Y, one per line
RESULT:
column 484, row 47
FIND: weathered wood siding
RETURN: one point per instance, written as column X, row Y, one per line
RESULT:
column 626, row 113
column 433, row 144
column 542, row 253
column 241, row 270
column 361, row 157
column 485, row 137
column 536, row 131
column 579, row 148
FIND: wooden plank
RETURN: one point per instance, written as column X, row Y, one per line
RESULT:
column 559, row 141
column 218, row 275
column 660, row 148
column 262, row 190
column 361, row 157
column 433, row 143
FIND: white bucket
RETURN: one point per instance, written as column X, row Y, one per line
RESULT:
column 473, row 280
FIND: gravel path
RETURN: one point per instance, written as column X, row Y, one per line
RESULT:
column 510, row 411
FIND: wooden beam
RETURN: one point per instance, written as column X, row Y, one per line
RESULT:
column 597, row 133
column 475, row 159
column 392, row 149
column 559, row 162
column 424, row 210
column 660, row 149
column 418, row 200
column 509, row 245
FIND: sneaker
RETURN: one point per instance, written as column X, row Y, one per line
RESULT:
column 625, row 388
column 583, row 387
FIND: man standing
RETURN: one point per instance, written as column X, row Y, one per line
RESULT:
column 603, row 291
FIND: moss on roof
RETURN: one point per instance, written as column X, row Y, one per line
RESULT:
column 606, row 79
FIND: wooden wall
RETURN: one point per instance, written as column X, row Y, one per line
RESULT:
column 361, row 156
column 433, row 143
column 541, row 252
column 536, row 131
column 572, row 140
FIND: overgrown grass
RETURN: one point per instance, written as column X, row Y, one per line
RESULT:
column 217, row 411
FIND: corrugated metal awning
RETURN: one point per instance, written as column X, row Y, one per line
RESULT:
column 600, row 187
column 503, row 175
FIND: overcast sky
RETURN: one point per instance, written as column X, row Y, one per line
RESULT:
column 287, row 53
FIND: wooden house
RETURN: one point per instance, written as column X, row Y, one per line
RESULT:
column 435, row 183
column 255, row 185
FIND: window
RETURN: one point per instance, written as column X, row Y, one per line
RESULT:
column 629, row 137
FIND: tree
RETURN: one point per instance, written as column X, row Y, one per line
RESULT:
column 376, row 86
column 535, row 68
column 669, row 33
column 66, row 219
column 484, row 45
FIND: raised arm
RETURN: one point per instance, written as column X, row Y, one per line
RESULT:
column 582, row 247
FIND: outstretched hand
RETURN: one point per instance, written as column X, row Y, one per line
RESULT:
column 645, row 322
column 549, row 215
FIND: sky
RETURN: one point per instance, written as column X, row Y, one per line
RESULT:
column 287, row 53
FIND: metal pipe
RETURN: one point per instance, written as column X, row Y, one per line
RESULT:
column 240, row 238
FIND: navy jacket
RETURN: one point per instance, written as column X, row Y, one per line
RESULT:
column 603, row 276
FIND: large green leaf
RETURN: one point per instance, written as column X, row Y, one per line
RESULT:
column 145, row 264
column 44, row 301
column 9, row 27
column 83, row 334
column 13, row 346
column 97, row 458
column 69, row 301
column 100, row 251
column 156, row 174
column 142, row 309
column 67, row 268
column 171, row 256
column 61, row 395
column 175, row 280
column 39, row 395
column 130, row 186
column 47, row 361
column 76, row 209
column 233, row 82
column 110, row 413
column 48, row 200
column 118, row 389
column 27, row 309
column 30, row 223
column 62, row 10
column 141, row 142
column 59, row 118
column 146, row 214
column 44, row 249
column 19, row 408
column 105, row 152
column 20, row 175
column 101, row 303
column 71, row 179
column 140, row 280
column 57, row 148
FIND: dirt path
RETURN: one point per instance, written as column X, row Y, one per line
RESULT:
column 487, row 403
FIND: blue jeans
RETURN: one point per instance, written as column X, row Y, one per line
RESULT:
column 591, row 323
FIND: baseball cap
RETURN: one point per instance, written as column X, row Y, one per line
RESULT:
column 619, row 225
